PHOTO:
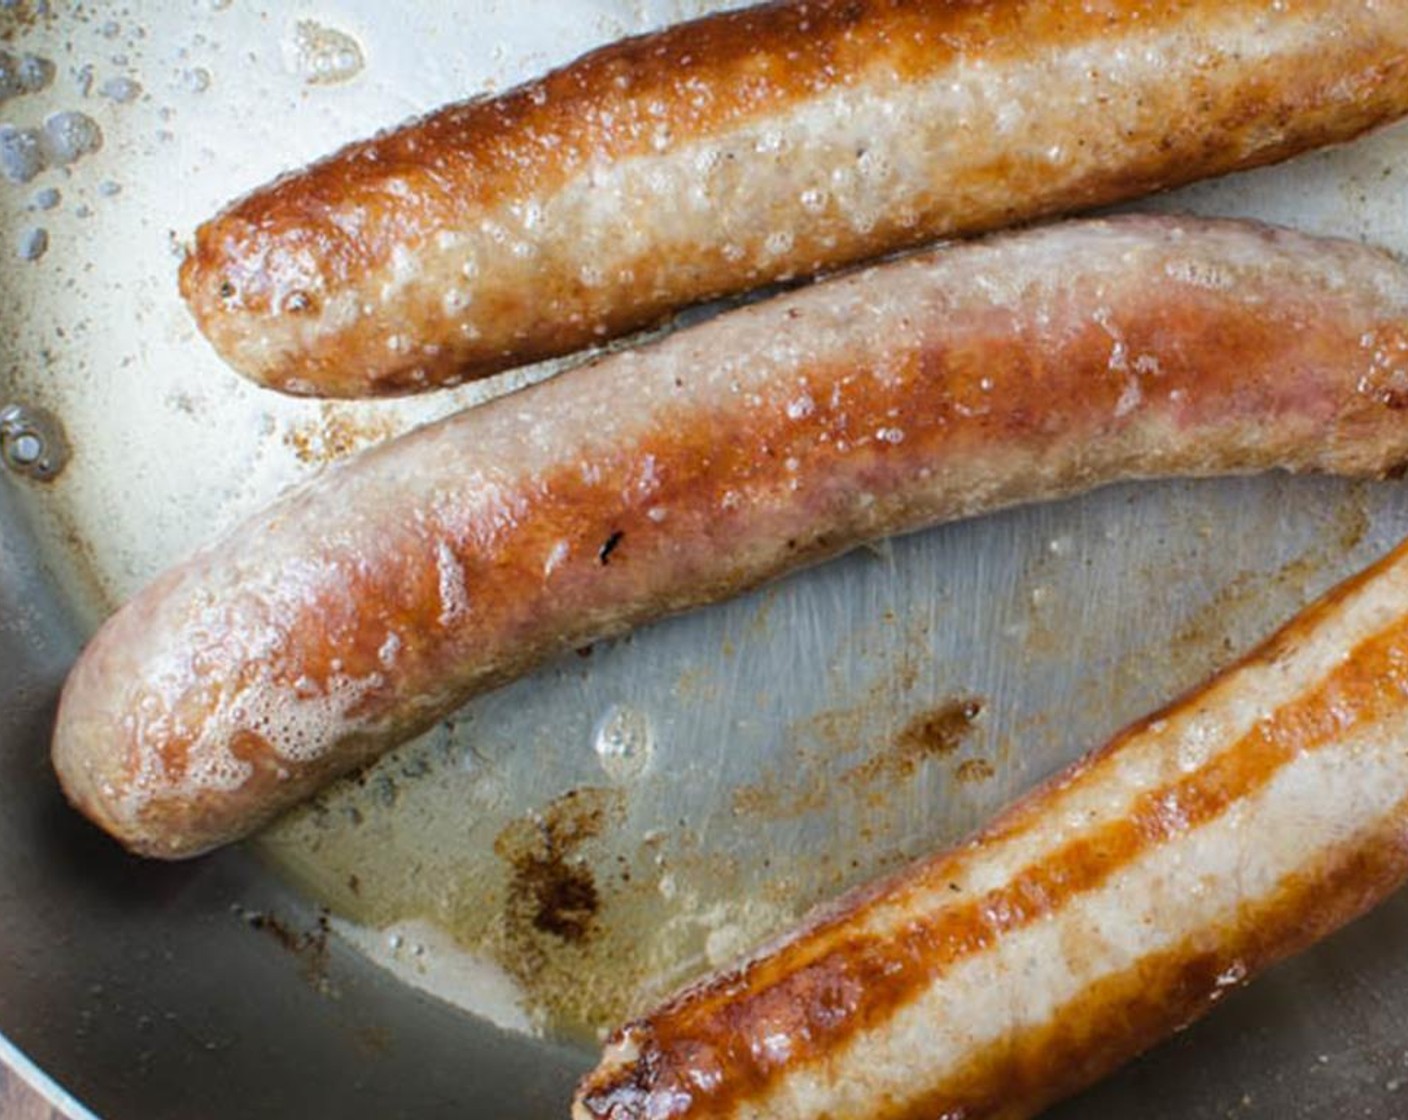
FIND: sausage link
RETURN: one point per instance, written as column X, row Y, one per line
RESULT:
column 364, row 607
column 752, row 147
column 1116, row 904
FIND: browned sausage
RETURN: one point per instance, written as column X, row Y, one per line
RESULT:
column 751, row 147
column 1117, row 903
column 353, row 614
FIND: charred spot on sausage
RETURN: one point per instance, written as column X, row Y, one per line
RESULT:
column 609, row 547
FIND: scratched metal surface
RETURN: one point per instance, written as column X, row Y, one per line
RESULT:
column 571, row 846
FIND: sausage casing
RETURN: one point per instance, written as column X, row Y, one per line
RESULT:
column 755, row 146
column 1114, row 905
column 356, row 612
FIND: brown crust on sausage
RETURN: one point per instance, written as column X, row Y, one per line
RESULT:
column 335, row 280
column 1120, row 1018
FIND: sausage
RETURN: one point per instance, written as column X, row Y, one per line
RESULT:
column 358, row 611
column 754, row 147
column 1116, row 904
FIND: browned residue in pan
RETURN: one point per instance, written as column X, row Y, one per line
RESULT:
column 942, row 730
column 971, row 771
column 336, row 432
column 932, row 733
column 309, row 946
column 20, row 17
column 552, row 889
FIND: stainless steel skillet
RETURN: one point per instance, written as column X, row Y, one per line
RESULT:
column 772, row 777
